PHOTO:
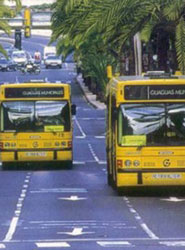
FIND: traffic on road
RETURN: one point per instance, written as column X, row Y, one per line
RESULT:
column 52, row 206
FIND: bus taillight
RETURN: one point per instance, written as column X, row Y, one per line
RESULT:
column 1, row 145
column 69, row 144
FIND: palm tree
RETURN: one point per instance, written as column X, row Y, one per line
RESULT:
column 5, row 11
column 174, row 12
column 69, row 27
column 117, row 21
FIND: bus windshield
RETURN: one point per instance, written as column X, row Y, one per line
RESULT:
column 151, row 124
column 35, row 116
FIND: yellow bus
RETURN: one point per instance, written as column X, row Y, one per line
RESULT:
column 35, row 123
column 145, row 140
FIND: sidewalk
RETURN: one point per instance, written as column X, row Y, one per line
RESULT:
column 91, row 98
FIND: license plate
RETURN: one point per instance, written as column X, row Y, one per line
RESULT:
column 166, row 176
column 36, row 154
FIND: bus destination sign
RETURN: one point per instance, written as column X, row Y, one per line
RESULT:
column 154, row 92
column 35, row 92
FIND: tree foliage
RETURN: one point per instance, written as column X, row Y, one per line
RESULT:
column 107, row 27
column 6, row 11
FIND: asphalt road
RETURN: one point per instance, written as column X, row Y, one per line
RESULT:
column 76, row 209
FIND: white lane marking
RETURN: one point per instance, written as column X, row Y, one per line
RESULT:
column 60, row 190
column 78, row 162
column 93, row 153
column 12, row 229
column 173, row 243
column 173, row 199
column 80, row 128
column 140, row 220
column 72, row 198
column 95, row 156
column 80, row 137
column 102, row 162
column 63, row 221
column 76, row 232
column 113, row 243
column 52, row 244
column 17, row 212
column 148, row 231
column 2, row 246
column 100, row 137
column 86, row 109
column 91, row 118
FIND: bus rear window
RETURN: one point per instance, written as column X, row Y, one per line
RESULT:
column 35, row 116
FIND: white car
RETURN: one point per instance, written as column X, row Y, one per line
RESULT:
column 19, row 57
column 53, row 61
column 49, row 51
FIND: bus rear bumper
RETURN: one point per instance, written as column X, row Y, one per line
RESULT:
column 35, row 156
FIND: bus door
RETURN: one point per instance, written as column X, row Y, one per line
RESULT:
column 113, row 137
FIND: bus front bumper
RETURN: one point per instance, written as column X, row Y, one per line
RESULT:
column 151, row 177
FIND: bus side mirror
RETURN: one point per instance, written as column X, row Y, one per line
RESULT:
column 73, row 109
column 115, row 113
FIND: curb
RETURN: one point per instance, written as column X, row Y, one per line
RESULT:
column 91, row 98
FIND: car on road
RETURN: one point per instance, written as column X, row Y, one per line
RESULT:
column 19, row 57
column 53, row 61
column 49, row 51
column 10, row 50
column 7, row 64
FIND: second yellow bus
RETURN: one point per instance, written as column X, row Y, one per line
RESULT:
column 146, row 131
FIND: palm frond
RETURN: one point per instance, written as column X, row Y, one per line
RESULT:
column 180, row 44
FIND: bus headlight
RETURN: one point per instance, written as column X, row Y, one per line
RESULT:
column 128, row 163
column 136, row 163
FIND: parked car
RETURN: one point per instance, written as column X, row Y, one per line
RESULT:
column 53, row 61
column 19, row 57
column 7, row 64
